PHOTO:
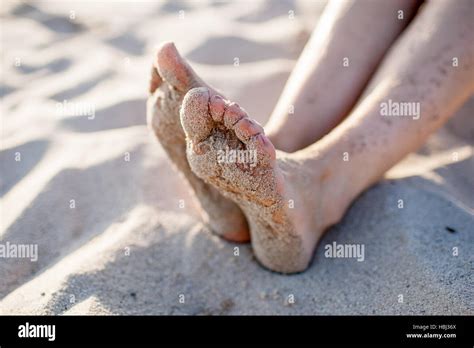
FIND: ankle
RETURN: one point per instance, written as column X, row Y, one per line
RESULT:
column 344, row 182
column 330, row 177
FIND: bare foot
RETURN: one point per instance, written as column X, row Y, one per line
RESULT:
column 277, row 193
column 171, row 79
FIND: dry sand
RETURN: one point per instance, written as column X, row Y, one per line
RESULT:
column 129, row 246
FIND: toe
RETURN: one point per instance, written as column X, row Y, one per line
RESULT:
column 155, row 80
column 217, row 108
column 246, row 128
column 174, row 69
column 264, row 148
column 233, row 114
column 195, row 118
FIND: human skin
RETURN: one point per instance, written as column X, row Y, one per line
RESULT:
column 431, row 65
column 290, row 198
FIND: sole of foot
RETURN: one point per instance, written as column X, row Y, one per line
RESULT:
column 171, row 78
column 227, row 149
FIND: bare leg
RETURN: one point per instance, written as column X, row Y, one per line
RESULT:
column 290, row 199
column 321, row 89
column 432, row 64
column 319, row 74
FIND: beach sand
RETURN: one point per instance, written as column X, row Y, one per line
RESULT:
column 117, row 232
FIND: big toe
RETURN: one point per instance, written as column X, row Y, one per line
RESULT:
column 195, row 118
column 174, row 69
